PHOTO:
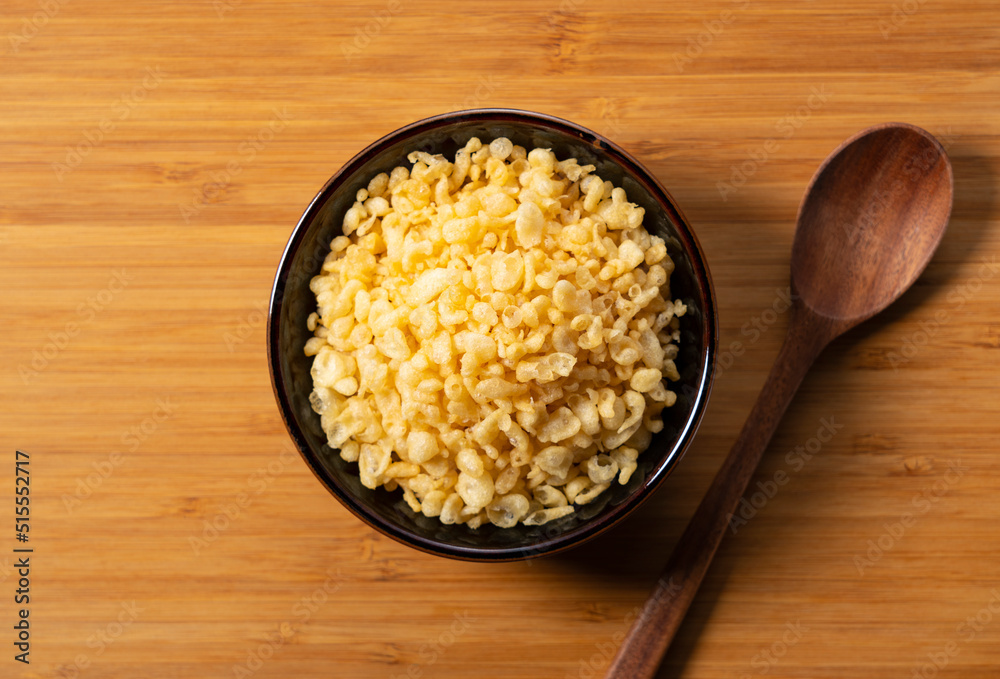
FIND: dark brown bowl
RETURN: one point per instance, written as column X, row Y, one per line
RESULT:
column 292, row 302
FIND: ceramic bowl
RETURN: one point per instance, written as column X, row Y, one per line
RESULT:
column 292, row 302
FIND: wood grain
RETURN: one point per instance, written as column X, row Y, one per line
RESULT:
column 189, row 200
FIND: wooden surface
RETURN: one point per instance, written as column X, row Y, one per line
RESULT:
column 154, row 157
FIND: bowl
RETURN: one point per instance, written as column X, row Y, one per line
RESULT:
column 292, row 301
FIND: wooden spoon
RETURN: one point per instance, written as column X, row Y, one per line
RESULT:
column 869, row 222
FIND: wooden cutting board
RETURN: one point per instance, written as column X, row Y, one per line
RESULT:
column 154, row 157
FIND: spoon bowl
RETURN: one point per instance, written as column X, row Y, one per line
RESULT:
column 869, row 223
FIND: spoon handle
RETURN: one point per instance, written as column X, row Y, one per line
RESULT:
column 643, row 648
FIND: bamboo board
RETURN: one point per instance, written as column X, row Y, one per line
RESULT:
column 154, row 157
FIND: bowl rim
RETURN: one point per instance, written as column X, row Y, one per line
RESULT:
column 678, row 447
